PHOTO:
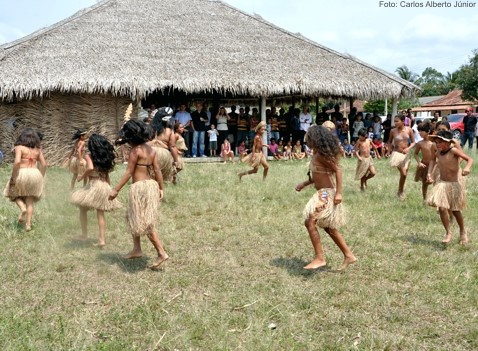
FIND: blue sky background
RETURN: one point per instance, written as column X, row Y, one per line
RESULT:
column 442, row 38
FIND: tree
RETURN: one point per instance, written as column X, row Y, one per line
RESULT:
column 467, row 78
column 379, row 105
column 431, row 82
column 405, row 73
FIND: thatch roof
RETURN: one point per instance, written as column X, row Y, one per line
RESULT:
column 134, row 47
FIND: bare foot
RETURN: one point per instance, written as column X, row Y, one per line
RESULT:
column 158, row 262
column 447, row 238
column 347, row 261
column 100, row 245
column 21, row 218
column 28, row 227
column 463, row 239
column 401, row 196
column 316, row 263
column 81, row 238
column 133, row 254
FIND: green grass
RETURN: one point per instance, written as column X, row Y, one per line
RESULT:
column 236, row 257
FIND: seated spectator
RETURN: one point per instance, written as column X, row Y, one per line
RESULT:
column 379, row 145
column 288, row 151
column 307, row 150
column 273, row 149
column 297, row 152
column 241, row 150
column 348, row 149
column 226, row 152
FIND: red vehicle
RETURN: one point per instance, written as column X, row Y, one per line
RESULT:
column 456, row 124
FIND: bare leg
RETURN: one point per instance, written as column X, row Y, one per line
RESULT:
column 318, row 260
column 424, row 190
column 252, row 171
column 136, row 252
column 102, row 227
column 162, row 255
column 84, row 223
column 73, row 181
column 23, row 209
column 461, row 224
column 446, row 223
column 338, row 239
column 29, row 203
column 266, row 168
column 401, row 182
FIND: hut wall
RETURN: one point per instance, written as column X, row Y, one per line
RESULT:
column 58, row 117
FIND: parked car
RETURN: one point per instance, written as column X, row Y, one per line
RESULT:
column 456, row 124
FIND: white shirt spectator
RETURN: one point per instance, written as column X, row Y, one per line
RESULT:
column 305, row 120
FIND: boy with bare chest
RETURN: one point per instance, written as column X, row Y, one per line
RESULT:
column 365, row 168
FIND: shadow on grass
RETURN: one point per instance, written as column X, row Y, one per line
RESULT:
column 416, row 240
column 129, row 266
column 295, row 266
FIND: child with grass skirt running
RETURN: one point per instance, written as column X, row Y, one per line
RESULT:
column 257, row 157
column 26, row 183
column 94, row 195
column 76, row 162
column 324, row 209
column 146, row 191
column 448, row 194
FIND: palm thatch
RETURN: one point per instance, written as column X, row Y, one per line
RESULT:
column 135, row 47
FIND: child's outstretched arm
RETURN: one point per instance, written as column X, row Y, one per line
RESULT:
column 463, row 156
column 133, row 159
column 89, row 168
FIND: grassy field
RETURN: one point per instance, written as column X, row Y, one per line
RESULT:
column 234, row 280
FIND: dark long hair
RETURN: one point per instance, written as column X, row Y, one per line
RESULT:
column 324, row 142
column 29, row 138
column 134, row 132
column 78, row 134
column 102, row 153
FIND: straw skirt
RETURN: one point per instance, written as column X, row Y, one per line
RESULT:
column 166, row 163
column 397, row 159
column 363, row 167
column 76, row 166
column 29, row 182
column 259, row 156
column 421, row 174
column 94, row 196
column 321, row 208
column 449, row 195
column 143, row 203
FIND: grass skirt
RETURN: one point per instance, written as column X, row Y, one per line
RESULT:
column 449, row 195
column 397, row 159
column 363, row 167
column 321, row 208
column 166, row 163
column 143, row 203
column 421, row 174
column 76, row 166
column 94, row 196
column 29, row 182
column 259, row 156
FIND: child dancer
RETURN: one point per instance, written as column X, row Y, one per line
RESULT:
column 145, row 193
column 400, row 142
column 76, row 161
column 428, row 150
column 26, row 184
column 448, row 193
column 365, row 168
column 256, row 157
column 324, row 209
column 94, row 196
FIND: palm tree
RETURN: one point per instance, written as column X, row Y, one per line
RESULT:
column 405, row 73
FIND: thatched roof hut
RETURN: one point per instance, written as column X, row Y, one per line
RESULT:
column 85, row 70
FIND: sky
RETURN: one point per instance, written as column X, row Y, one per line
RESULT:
column 385, row 34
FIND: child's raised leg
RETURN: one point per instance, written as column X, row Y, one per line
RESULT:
column 318, row 261
column 445, row 219
column 23, row 209
column 102, row 227
column 136, row 252
column 84, row 223
column 162, row 255
column 461, row 224
column 266, row 168
column 29, row 203
column 252, row 171
column 338, row 239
